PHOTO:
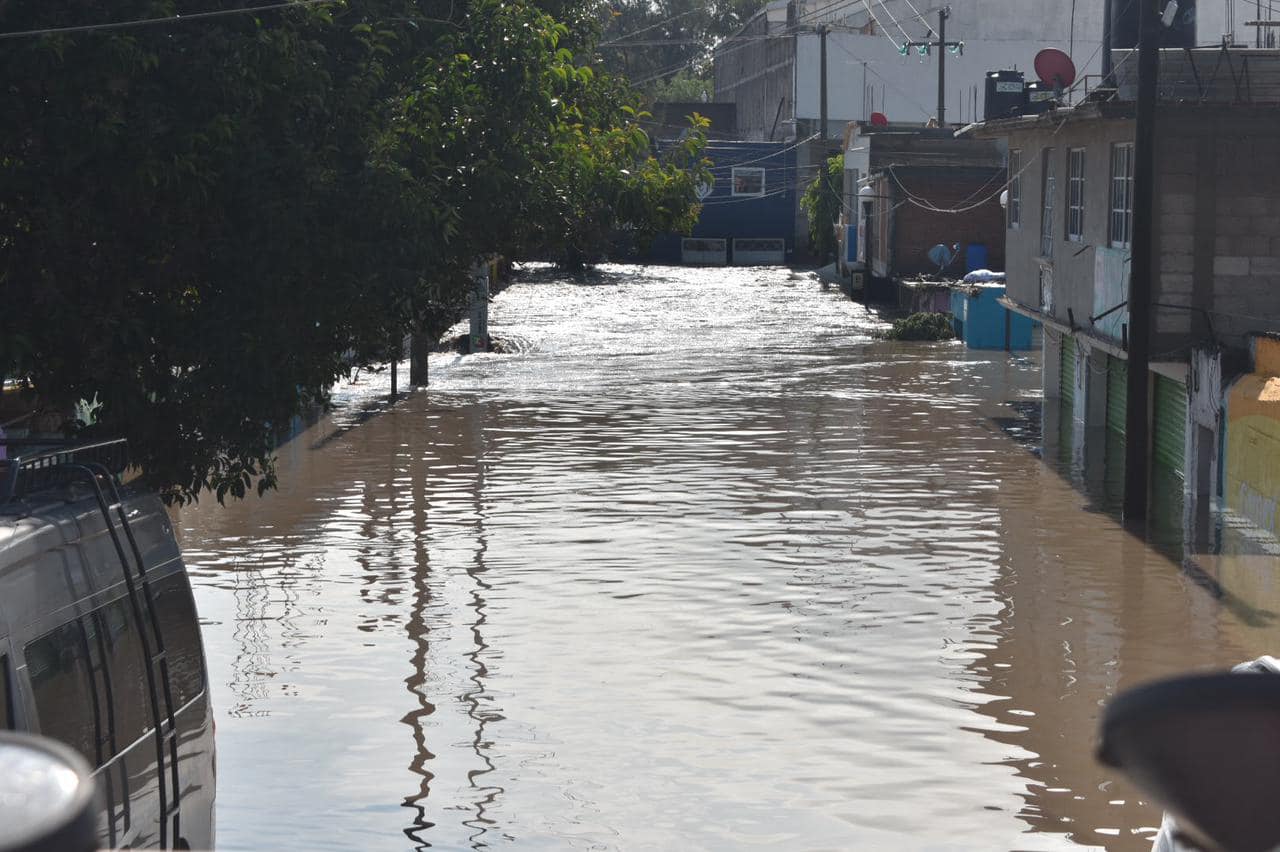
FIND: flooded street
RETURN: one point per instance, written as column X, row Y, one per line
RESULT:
column 702, row 565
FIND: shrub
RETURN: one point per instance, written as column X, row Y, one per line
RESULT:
column 922, row 327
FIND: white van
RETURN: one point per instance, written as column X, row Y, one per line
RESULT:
column 100, row 644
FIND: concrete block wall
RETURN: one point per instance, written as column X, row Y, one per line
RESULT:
column 755, row 73
column 1218, row 237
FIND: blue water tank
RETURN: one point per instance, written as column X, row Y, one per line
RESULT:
column 975, row 257
column 990, row 325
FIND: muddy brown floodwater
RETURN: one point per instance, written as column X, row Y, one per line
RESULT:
column 702, row 565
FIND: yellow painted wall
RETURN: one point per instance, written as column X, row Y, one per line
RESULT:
column 1252, row 480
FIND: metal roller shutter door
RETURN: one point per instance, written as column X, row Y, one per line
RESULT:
column 1067, row 382
column 1169, row 424
column 1117, row 393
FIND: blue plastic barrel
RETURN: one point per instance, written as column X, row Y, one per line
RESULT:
column 975, row 257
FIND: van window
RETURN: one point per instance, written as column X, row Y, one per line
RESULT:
column 181, row 632
column 62, row 686
column 126, row 667
column 6, row 701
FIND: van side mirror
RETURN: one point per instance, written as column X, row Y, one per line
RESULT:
column 48, row 799
column 1206, row 747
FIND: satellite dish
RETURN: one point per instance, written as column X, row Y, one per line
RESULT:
column 941, row 256
column 1055, row 68
column 879, row 119
column 704, row 189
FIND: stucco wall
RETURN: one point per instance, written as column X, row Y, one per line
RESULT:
column 1072, row 263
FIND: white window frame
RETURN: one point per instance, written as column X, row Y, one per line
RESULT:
column 1048, row 191
column 1120, row 222
column 1015, row 189
column 744, row 169
column 1075, row 194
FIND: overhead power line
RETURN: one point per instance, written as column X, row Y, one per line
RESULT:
column 172, row 19
column 619, row 39
column 905, row 35
column 925, row 204
column 919, row 17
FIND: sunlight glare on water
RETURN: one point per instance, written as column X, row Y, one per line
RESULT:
column 701, row 564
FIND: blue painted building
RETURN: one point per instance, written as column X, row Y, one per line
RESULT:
column 749, row 210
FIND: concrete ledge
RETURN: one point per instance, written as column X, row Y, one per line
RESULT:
column 1100, row 343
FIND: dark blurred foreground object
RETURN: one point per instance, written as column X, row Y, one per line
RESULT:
column 1206, row 747
column 48, row 800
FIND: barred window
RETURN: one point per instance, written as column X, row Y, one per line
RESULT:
column 1048, row 189
column 1120, row 229
column 1075, row 195
column 1015, row 190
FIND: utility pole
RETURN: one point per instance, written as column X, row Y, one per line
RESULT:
column 866, row 113
column 822, row 84
column 478, row 339
column 943, row 46
column 1106, row 42
column 396, row 352
column 942, row 66
column 1136, row 426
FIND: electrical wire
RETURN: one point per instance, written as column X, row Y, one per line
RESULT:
column 925, row 204
column 919, row 17
column 172, row 19
column 883, row 29
column 619, row 39
column 906, row 36
column 888, row 83
column 734, row 43
column 746, row 198
column 797, row 144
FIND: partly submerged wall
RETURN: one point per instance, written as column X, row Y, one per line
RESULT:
column 1252, row 444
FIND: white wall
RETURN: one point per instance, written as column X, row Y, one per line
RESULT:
column 1022, row 20
column 905, row 87
column 998, row 34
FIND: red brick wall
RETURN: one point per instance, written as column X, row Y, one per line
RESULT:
column 916, row 230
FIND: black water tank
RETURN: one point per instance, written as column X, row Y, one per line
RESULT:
column 1041, row 97
column 1124, row 24
column 1005, row 94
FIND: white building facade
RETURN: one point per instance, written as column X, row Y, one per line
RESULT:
column 772, row 69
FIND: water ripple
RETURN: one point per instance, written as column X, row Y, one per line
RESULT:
column 697, row 564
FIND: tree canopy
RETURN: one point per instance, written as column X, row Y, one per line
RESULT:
column 821, row 203
column 652, row 41
column 207, row 223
